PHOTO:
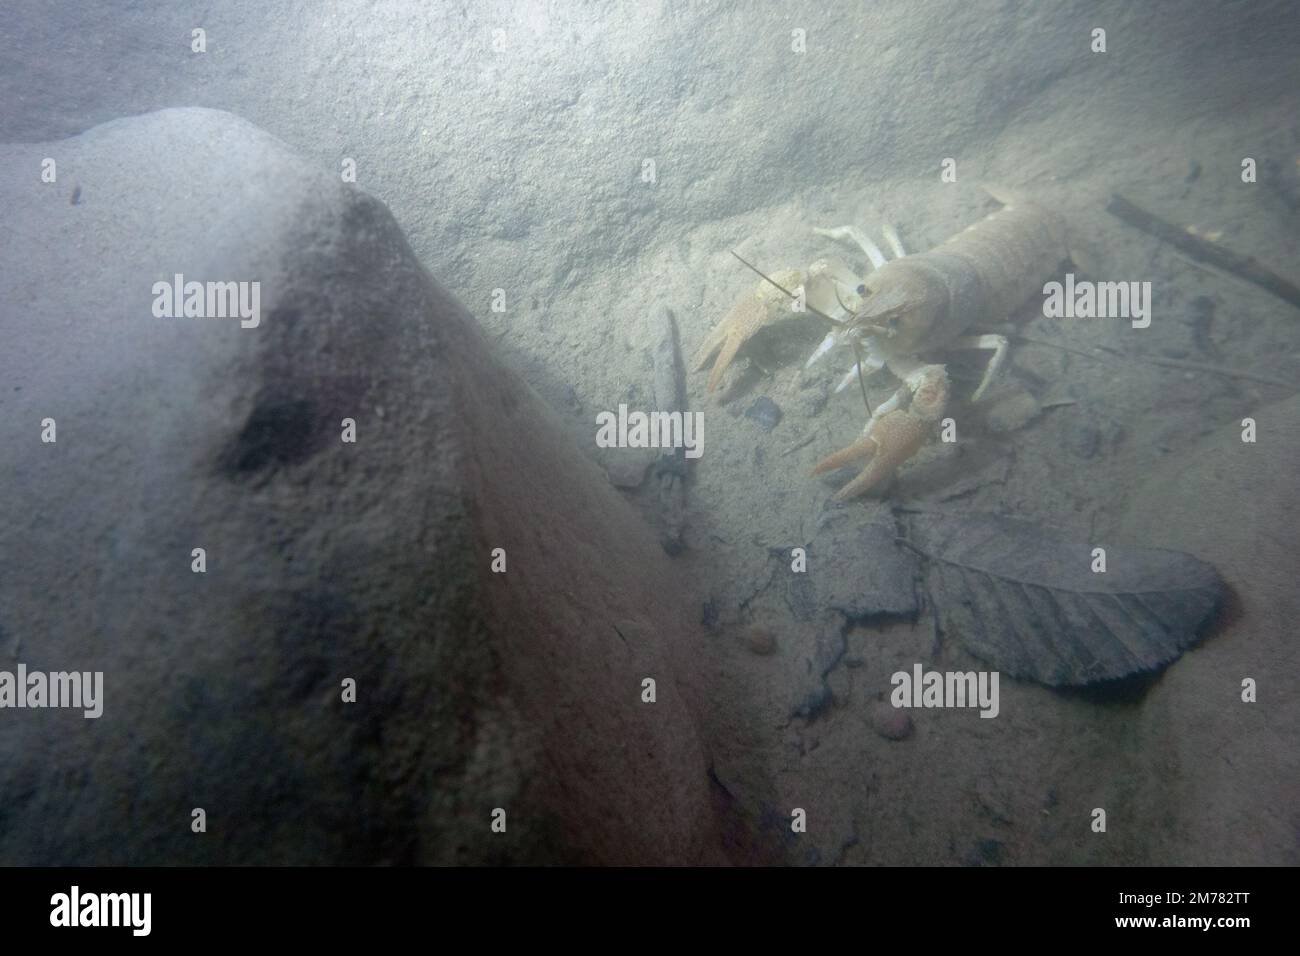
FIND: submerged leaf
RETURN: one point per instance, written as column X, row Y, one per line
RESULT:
column 1029, row 603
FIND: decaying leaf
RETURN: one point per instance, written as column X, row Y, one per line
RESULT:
column 1030, row 604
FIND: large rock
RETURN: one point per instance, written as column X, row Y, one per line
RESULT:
column 326, row 560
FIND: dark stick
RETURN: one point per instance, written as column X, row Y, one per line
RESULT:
column 1211, row 253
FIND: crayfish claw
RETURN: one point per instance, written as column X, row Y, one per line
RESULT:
column 893, row 438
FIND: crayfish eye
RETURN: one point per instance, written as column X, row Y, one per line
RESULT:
column 861, row 290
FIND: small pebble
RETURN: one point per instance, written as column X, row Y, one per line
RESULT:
column 1040, row 363
column 758, row 640
column 1013, row 412
column 764, row 412
column 892, row 723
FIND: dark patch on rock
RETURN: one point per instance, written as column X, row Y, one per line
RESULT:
column 279, row 431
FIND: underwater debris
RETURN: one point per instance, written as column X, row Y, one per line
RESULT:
column 862, row 573
column 764, row 412
column 1039, row 607
column 1203, row 250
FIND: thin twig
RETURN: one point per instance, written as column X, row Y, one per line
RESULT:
column 1243, row 267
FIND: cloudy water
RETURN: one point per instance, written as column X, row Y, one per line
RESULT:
column 658, row 433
